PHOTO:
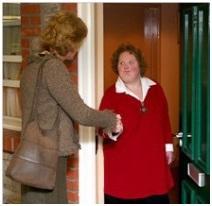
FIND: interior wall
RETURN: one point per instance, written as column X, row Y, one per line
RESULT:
column 170, row 79
column 136, row 23
column 170, row 60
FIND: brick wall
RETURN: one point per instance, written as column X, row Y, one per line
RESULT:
column 33, row 18
column 30, row 27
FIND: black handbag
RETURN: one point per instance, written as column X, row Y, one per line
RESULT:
column 35, row 160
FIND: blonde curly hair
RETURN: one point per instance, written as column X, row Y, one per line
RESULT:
column 65, row 32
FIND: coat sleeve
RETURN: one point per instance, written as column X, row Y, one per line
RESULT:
column 59, row 85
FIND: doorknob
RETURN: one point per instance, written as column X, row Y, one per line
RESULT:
column 179, row 136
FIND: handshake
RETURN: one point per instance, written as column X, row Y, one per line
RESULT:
column 117, row 130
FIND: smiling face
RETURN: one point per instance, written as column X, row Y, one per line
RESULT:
column 128, row 68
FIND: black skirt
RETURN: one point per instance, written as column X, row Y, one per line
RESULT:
column 156, row 199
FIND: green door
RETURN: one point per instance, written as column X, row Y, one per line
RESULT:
column 195, row 104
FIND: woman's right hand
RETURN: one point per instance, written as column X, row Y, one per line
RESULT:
column 115, row 132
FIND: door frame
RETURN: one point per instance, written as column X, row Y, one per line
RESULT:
column 87, row 88
column 91, row 89
column 99, row 17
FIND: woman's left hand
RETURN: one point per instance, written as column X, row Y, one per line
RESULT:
column 169, row 157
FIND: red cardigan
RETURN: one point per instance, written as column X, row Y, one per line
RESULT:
column 135, row 165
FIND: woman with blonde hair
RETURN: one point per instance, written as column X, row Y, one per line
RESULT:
column 58, row 102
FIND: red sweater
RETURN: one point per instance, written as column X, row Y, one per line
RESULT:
column 135, row 165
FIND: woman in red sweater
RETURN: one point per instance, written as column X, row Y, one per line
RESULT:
column 136, row 161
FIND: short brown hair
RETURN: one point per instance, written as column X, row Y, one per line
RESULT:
column 64, row 32
column 132, row 50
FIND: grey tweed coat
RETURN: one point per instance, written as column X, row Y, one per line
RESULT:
column 58, row 98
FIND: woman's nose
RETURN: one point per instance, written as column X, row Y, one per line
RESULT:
column 126, row 66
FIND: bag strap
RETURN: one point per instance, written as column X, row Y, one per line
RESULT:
column 35, row 96
column 37, row 89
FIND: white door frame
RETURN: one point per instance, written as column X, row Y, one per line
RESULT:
column 90, row 66
column 99, row 16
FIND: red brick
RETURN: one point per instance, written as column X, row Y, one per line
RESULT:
column 25, row 20
column 35, row 20
column 11, row 140
column 30, row 31
column 27, row 8
column 25, row 43
column 25, row 54
column 73, row 162
column 73, row 197
column 72, row 185
column 73, row 66
column 69, row 7
column 72, row 174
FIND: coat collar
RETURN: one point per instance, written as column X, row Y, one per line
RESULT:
column 145, row 82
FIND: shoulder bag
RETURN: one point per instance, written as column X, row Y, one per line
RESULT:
column 35, row 160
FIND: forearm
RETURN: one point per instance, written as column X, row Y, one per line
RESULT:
column 67, row 97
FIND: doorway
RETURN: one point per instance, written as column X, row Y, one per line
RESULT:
column 154, row 28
